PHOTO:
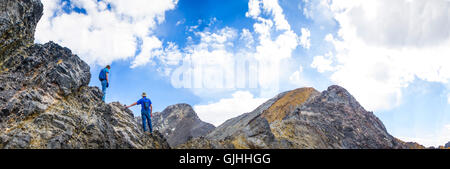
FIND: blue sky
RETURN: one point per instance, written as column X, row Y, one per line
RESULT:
column 395, row 65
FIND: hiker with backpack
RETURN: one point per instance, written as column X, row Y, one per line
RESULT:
column 146, row 111
column 104, row 79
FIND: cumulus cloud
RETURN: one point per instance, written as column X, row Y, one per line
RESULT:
column 318, row 11
column 305, row 40
column 270, row 43
column 298, row 78
column 247, row 38
column 214, row 59
column 382, row 46
column 322, row 64
column 403, row 23
column 151, row 46
column 439, row 138
column 209, row 63
column 216, row 113
column 109, row 30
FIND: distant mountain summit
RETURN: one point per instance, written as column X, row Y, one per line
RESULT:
column 179, row 123
column 303, row 118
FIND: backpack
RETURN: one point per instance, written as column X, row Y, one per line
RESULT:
column 146, row 104
column 102, row 75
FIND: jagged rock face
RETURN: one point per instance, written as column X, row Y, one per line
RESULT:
column 44, row 98
column 179, row 123
column 412, row 145
column 302, row 118
column 447, row 145
column 80, row 121
column 18, row 19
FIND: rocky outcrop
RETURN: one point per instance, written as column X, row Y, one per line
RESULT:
column 447, row 145
column 45, row 100
column 18, row 20
column 179, row 123
column 302, row 118
column 411, row 145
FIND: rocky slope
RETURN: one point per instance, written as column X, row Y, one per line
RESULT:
column 302, row 118
column 179, row 123
column 45, row 101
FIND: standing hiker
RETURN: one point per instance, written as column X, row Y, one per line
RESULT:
column 104, row 79
column 146, row 111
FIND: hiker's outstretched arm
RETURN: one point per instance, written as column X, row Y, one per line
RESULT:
column 107, row 78
column 132, row 105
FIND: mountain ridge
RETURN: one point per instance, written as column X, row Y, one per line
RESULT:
column 330, row 119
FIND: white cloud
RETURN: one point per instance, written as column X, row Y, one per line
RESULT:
column 402, row 23
column 440, row 138
column 212, row 21
column 448, row 98
column 180, row 22
column 318, row 11
column 217, row 40
column 213, row 59
column 171, row 55
column 305, row 40
column 247, row 38
column 102, row 36
column 270, row 7
column 298, row 78
column 271, row 42
column 322, row 64
column 205, row 65
column 226, row 108
column 151, row 46
column 382, row 46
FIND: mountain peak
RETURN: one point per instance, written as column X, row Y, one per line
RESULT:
column 290, row 101
column 179, row 123
column 338, row 94
column 181, row 110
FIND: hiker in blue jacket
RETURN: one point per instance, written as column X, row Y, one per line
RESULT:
column 146, row 111
column 104, row 79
